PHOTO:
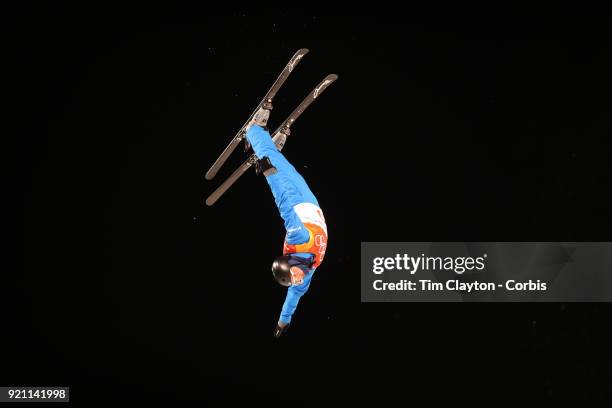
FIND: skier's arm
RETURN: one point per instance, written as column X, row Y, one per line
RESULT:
column 294, row 294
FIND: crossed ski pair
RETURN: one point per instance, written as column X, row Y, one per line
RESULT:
column 280, row 134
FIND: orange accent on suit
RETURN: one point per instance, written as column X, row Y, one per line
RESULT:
column 316, row 244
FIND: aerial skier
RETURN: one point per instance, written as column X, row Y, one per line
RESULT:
column 306, row 232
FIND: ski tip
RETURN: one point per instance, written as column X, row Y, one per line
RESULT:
column 303, row 51
column 331, row 77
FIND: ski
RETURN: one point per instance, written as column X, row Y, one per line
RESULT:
column 266, row 102
column 279, row 137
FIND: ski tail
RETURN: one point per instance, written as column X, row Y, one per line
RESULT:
column 297, row 57
column 309, row 99
column 229, row 149
column 281, row 133
column 279, row 136
column 267, row 100
column 230, row 181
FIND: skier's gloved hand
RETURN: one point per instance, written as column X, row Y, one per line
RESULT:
column 280, row 328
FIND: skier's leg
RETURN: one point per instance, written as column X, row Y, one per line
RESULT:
column 263, row 146
column 287, row 189
column 286, row 176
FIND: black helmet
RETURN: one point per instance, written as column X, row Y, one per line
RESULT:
column 290, row 269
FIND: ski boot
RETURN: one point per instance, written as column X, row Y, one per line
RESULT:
column 281, row 137
column 260, row 118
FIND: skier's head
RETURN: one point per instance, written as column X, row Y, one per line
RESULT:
column 289, row 270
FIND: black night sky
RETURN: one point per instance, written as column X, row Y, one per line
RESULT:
column 444, row 125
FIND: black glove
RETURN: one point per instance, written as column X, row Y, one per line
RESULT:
column 279, row 330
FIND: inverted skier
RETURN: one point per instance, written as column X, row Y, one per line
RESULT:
column 306, row 231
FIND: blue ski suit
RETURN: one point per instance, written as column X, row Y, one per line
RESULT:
column 296, row 205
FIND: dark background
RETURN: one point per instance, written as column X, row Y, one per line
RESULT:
column 445, row 124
